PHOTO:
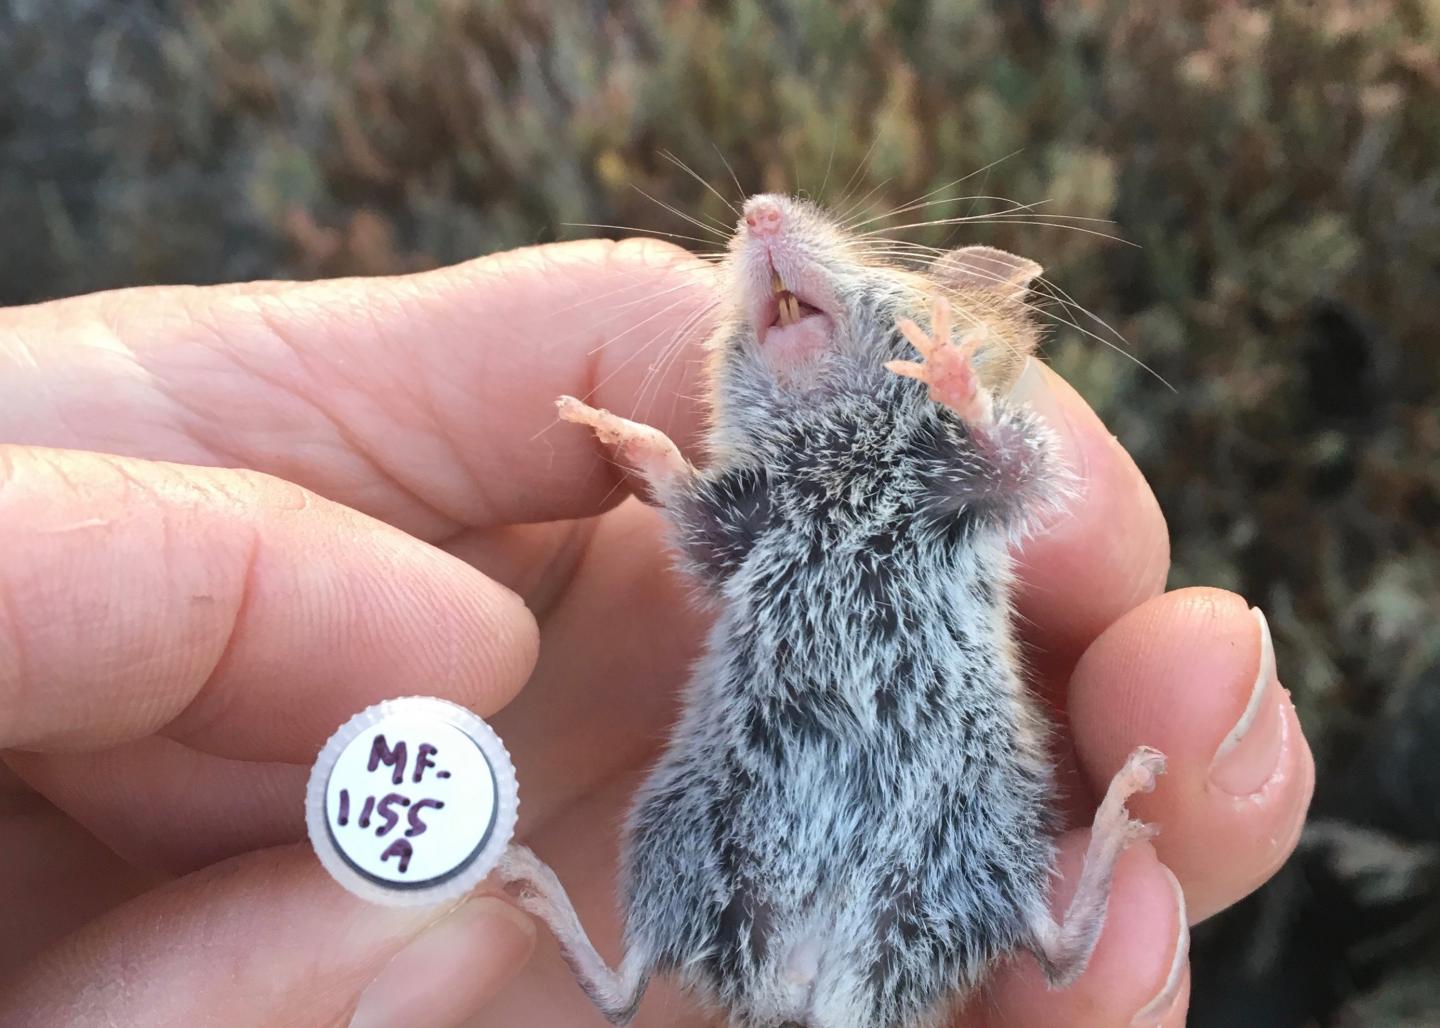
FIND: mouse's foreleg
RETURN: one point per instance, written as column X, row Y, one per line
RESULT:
column 647, row 450
column 615, row 992
column 1064, row 948
column 1002, row 465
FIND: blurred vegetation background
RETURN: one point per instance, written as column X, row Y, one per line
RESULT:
column 1276, row 166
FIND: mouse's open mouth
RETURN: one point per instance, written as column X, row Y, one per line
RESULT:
column 789, row 308
column 787, row 318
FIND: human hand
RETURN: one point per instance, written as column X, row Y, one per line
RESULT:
column 178, row 639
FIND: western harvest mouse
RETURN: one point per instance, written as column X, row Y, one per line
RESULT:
column 853, row 817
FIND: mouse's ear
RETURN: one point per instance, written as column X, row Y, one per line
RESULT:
column 984, row 267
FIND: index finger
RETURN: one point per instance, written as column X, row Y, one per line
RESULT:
column 425, row 400
column 233, row 612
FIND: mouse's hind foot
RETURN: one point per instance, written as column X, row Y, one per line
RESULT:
column 539, row 893
column 1064, row 948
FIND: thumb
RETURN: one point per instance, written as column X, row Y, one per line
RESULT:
column 269, row 938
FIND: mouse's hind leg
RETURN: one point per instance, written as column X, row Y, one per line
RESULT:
column 539, row 892
column 1064, row 949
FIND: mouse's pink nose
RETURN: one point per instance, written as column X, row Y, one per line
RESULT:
column 763, row 216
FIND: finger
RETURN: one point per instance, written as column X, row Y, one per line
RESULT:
column 301, row 381
column 1139, row 972
column 1192, row 674
column 167, row 808
column 228, row 939
column 238, row 613
column 1108, row 552
column 619, row 636
column 425, row 400
column 54, row 877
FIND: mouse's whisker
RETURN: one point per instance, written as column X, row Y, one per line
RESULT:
column 681, row 214
column 739, row 189
column 647, row 301
column 881, row 245
column 670, row 357
column 1060, row 217
column 977, row 198
column 898, row 246
column 647, row 296
column 660, row 313
column 1064, row 299
column 856, row 176
column 830, row 161
column 930, row 200
column 698, row 178
column 859, row 204
column 671, row 351
column 924, row 200
column 1011, row 218
column 899, row 258
column 1048, row 290
column 1027, row 209
column 679, row 338
column 1071, row 228
column 1067, row 304
column 645, row 293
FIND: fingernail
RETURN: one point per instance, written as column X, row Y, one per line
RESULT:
column 1249, row 755
column 1033, row 389
column 1162, row 1004
column 455, row 966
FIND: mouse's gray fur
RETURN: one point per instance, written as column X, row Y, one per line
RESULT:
column 852, row 820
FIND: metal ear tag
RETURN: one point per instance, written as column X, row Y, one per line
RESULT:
column 412, row 801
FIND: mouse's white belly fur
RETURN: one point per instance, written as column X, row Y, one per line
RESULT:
column 852, row 815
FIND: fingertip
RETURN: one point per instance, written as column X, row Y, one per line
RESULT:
column 616, row 324
column 364, row 612
column 270, row 615
column 1171, row 999
column 1192, row 674
column 649, row 252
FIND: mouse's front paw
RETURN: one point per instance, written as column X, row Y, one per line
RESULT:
column 948, row 369
column 648, row 450
column 609, row 428
column 633, row 439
